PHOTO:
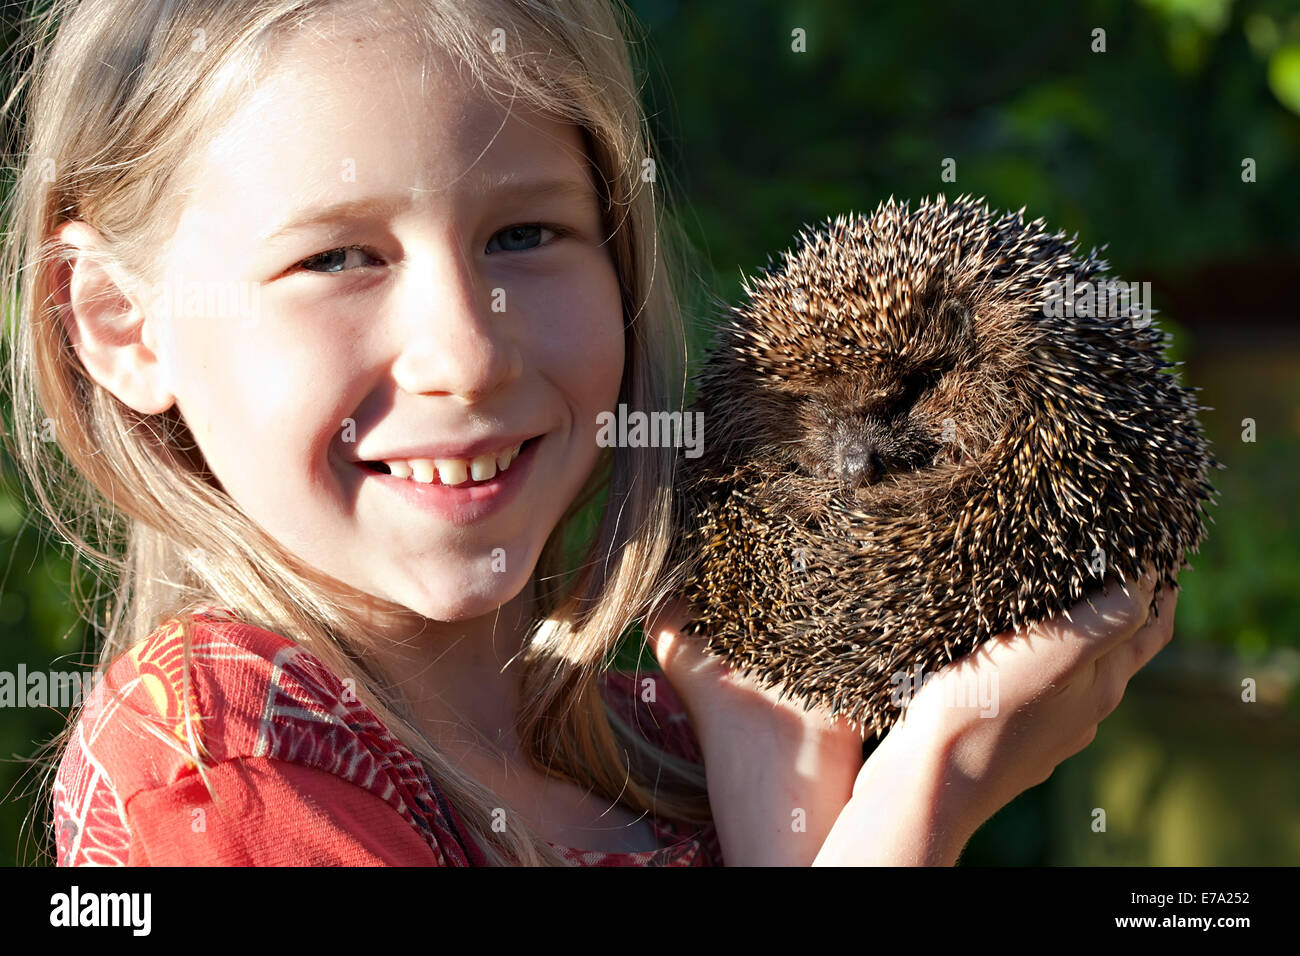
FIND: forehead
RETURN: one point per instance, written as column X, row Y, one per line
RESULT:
column 339, row 115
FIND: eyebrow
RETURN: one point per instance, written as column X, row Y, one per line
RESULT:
column 508, row 186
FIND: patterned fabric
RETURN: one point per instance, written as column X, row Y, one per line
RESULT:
column 307, row 774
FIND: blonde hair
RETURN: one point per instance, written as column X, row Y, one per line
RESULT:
column 116, row 96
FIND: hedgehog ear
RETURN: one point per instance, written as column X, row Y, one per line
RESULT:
column 957, row 319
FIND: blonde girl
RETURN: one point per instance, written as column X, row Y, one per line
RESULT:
column 320, row 303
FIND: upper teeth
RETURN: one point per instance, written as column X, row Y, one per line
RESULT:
column 453, row 471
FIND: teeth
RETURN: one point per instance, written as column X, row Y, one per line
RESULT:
column 453, row 471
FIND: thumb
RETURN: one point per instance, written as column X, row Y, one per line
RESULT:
column 663, row 631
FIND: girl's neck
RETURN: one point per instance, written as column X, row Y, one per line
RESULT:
column 461, row 679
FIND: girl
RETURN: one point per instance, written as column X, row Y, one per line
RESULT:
column 320, row 301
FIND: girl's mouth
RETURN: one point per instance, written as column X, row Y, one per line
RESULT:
column 456, row 497
column 455, row 473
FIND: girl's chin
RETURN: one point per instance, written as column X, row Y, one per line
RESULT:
column 458, row 599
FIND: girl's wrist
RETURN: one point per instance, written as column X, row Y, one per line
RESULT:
column 901, row 812
column 776, row 787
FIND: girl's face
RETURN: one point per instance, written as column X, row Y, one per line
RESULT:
column 461, row 300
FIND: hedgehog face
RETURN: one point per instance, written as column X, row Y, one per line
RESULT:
column 870, row 429
column 882, row 359
column 897, row 409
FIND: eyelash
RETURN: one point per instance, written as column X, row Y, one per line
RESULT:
column 559, row 232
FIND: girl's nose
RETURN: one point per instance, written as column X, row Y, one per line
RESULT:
column 451, row 340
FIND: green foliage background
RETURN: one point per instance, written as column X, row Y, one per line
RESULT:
column 1140, row 147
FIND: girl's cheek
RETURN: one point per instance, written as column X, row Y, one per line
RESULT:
column 584, row 307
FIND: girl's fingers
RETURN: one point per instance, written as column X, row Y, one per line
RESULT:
column 1092, row 630
column 678, row 655
column 666, row 622
column 1112, row 638
column 1159, row 631
column 1114, row 669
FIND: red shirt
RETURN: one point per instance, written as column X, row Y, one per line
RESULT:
column 304, row 773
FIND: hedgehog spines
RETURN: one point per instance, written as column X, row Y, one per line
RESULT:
column 1074, row 458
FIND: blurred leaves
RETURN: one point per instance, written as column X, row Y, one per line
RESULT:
column 1121, row 146
column 1284, row 76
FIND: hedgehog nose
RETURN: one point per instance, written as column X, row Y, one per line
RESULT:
column 861, row 466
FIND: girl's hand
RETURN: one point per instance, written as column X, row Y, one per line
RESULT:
column 778, row 776
column 716, row 694
column 944, row 769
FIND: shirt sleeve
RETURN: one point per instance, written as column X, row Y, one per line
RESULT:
column 271, row 813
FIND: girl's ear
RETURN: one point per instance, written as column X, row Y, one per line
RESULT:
column 110, row 331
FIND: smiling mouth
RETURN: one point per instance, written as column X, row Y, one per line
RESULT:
column 454, row 473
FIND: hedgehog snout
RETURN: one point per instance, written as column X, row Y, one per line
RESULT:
column 859, row 462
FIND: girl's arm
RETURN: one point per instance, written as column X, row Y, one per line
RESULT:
column 778, row 776
column 940, row 772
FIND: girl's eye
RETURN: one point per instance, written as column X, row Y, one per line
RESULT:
column 513, row 239
column 519, row 238
column 332, row 260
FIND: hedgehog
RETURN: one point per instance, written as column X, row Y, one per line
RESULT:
column 925, row 428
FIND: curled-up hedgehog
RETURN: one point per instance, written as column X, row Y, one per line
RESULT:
column 921, row 433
